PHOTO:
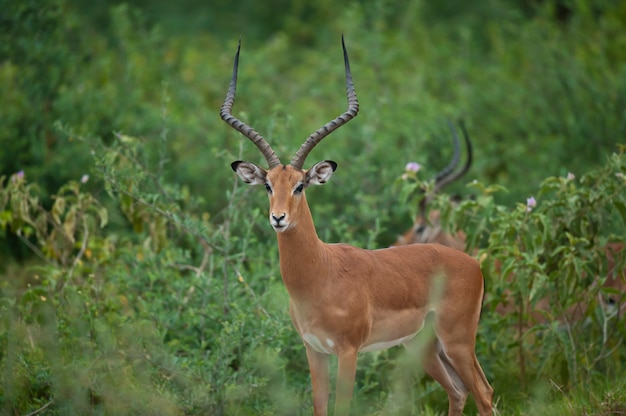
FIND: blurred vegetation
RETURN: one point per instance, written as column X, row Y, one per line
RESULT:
column 139, row 278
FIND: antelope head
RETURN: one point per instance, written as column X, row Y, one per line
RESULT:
column 427, row 226
column 285, row 184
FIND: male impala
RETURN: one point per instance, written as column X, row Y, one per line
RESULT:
column 427, row 226
column 344, row 299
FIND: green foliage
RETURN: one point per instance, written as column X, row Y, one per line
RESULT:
column 547, row 260
column 139, row 278
column 39, row 59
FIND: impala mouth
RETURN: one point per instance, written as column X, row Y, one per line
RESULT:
column 279, row 228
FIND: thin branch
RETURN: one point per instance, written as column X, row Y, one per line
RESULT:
column 198, row 270
column 568, row 402
column 81, row 253
column 205, row 258
column 252, row 292
column 41, row 409
column 33, row 248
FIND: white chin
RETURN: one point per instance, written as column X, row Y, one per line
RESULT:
column 280, row 229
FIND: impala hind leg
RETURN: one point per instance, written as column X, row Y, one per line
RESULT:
column 484, row 397
column 445, row 375
column 460, row 362
column 318, row 367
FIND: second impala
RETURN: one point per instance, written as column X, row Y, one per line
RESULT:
column 344, row 299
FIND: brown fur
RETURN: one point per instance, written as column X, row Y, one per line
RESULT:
column 431, row 231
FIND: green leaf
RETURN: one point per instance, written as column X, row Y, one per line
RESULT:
column 621, row 208
column 58, row 209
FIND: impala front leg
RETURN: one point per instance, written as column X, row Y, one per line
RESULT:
column 318, row 367
column 345, row 382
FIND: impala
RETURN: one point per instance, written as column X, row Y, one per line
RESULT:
column 344, row 299
column 427, row 226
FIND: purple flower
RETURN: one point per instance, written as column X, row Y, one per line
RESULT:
column 413, row 167
column 530, row 203
column 19, row 176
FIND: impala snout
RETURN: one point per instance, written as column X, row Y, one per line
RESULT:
column 278, row 221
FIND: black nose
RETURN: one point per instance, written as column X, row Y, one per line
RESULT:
column 278, row 219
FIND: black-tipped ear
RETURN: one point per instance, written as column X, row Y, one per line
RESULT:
column 320, row 172
column 235, row 164
column 249, row 172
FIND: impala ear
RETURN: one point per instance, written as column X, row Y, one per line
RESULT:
column 320, row 173
column 249, row 172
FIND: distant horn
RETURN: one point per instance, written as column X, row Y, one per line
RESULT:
column 444, row 180
column 455, row 157
column 445, row 176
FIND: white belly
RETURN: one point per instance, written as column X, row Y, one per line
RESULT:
column 325, row 347
column 377, row 346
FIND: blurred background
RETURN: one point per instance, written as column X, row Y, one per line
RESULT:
column 123, row 229
column 540, row 85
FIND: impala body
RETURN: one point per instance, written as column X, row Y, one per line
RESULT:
column 344, row 299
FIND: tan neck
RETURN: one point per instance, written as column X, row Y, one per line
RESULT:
column 302, row 255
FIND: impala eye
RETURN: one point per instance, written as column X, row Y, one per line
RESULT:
column 268, row 188
column 299, row 189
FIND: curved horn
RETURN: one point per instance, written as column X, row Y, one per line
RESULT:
column 443, row 180
column 239, row 125
column 455, row 157
column 325, row 130
column 445, row 176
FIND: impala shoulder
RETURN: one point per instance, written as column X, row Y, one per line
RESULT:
column 344, row 248
column 451, row 255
